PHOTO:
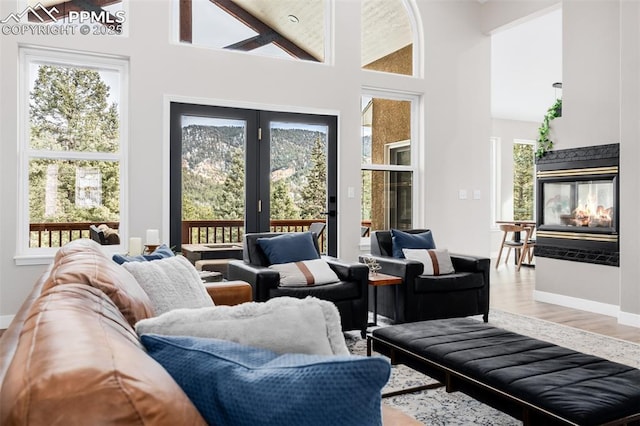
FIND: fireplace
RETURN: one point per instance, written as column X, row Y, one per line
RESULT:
column 577, row 208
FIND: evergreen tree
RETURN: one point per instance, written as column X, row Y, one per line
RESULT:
column 282, row 205
column 523, row 161
column 314, row 191
column 69, row 111
column 231, row 204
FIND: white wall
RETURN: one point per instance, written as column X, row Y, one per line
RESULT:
column 455, row 114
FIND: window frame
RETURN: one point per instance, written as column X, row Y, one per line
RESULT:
column 413, row 141
column 29, row 55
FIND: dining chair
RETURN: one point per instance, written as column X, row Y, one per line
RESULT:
column 523, row 246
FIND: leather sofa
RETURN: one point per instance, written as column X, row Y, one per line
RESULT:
column 349, row 294
column 424, row 297
column 71, row 356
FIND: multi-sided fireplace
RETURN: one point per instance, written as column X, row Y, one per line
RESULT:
column 577, row 208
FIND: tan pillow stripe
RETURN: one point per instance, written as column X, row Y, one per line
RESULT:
column 434, row 260
column 306, row 272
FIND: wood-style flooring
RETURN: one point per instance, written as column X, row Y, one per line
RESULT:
column 512, row 291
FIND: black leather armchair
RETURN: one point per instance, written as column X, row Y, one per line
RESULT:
column 350, row 294
column 424, row 297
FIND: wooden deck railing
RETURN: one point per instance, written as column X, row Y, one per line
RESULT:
column 58, row 234
column 193, row 231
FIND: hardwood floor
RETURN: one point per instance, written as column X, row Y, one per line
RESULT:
column 512, row 291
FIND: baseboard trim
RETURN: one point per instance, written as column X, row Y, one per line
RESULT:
column 5, row 320
column 627, row 318
column 624, row 318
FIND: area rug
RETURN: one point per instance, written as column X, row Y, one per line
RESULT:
column 437, row 407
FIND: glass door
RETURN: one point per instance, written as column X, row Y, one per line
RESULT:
column 301, row 179
column 235, row 171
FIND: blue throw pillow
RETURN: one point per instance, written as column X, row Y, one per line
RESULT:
column 404, row 240
column 159, row 253
column 290, row 247
column 234, row 384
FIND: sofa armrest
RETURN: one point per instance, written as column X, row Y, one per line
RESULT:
column 261, row 278
column 403, row 268
column 467, row 263
column 229, row 292
column 347, row 271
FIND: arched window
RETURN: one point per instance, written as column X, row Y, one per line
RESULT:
column 389, row 37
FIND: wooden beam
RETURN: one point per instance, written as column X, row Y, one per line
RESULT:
column 186, row 21
column 262, row 29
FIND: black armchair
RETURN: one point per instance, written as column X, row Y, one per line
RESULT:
column 424, row 297
column 350, row 294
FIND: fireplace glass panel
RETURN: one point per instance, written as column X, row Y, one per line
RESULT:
column 579, row 203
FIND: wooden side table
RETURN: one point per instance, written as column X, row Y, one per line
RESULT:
column 378, row 280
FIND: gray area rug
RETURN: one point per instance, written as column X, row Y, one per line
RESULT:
column 437, row 407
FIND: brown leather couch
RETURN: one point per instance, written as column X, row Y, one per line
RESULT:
column 72, row 357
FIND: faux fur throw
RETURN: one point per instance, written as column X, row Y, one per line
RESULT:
column 282, row 325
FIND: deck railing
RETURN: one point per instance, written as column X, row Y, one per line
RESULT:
column 58, row 234
column 193, row 231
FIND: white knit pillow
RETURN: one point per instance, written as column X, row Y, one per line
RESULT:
column 435, row 261
column 282, row 324
column 170, row 283
column 305, row 273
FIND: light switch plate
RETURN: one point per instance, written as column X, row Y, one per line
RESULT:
column 462, row 194
column 476, row 194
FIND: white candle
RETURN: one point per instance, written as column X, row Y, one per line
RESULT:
column 135, row 246
column 153, row 237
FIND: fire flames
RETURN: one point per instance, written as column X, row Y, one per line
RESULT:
column 593, row 217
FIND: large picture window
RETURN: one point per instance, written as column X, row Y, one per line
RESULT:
column 72, row 146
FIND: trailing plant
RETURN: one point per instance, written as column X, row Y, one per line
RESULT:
column 544, row 143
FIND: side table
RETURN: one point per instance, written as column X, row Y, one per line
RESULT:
column 376, row 281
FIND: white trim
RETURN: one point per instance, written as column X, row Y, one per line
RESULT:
column 627, row 318
column 577, row 303
column 29, row 54
column 5, row 320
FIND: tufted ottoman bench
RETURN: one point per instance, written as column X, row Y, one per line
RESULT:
column 532, row 380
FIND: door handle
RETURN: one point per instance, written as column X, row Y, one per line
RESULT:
column 330, row 213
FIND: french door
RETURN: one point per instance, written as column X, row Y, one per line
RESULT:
column 238, row 170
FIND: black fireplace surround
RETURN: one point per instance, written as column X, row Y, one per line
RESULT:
column 578, row 205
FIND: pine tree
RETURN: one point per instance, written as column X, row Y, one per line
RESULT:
column 69, row 111
column 314, row 191
column 231, row 204
column 282, row 206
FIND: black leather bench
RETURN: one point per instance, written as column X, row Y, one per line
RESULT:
column 532, row 380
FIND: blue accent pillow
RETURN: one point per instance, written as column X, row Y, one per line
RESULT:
column 159, row 253
column 404, row 240
column 290, row 247
column 234, row 384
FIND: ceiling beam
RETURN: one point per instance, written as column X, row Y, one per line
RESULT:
column 263, row 30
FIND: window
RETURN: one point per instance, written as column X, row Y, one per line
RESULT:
column 387, row 166
column 72, row 146
column 513, row 179
column 388, row 37
column 283, row 29
column 523, row 180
